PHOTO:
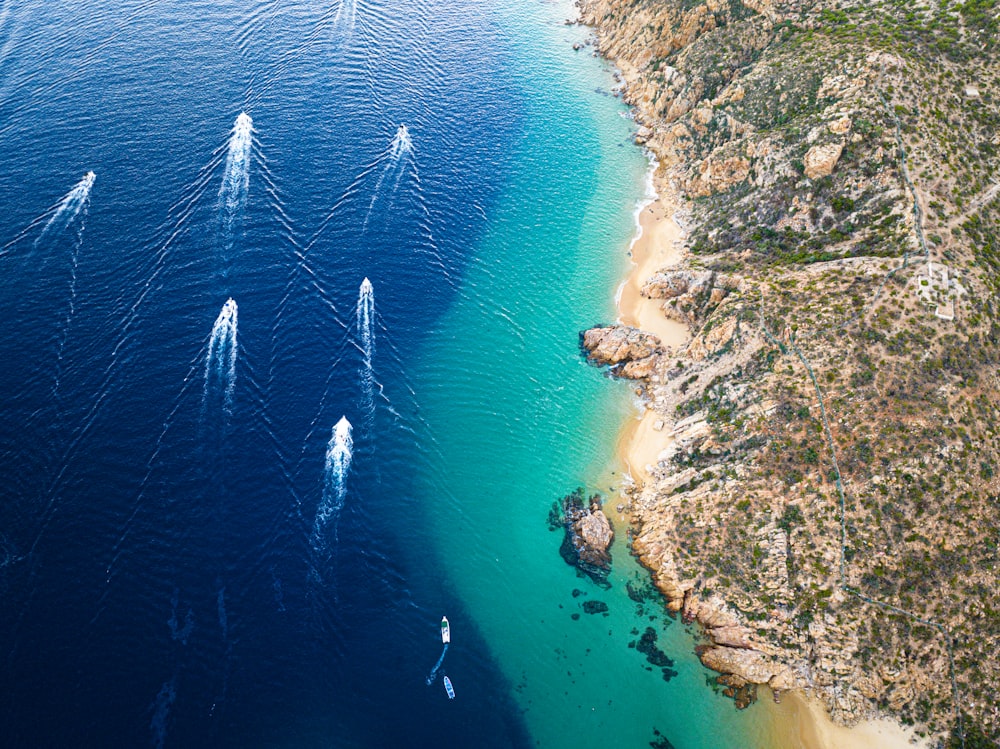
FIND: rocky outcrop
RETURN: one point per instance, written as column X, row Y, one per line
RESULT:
column 690, row 295
column 751, row 665
column 588, row 535
column 819, row 161
column 718, row 174
column 630, row 352
column 710, row 342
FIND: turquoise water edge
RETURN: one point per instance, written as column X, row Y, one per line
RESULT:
column 524, row 420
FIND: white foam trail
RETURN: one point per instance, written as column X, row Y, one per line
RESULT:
column 338, row 462
column 402, row 142
column 223, row 349
column 236, row 180
column 346, row 16
column 395, row 166
column 165, row 699
column 366, row 336
column 75, row 202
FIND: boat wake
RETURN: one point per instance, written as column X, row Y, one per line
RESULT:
column 220, row 362
column 338, row 462
column 346, row 17
column 161, row 706
column 397, row 158
column 432, row 676
column 366, row 337
column 236, row 180
column 72, row 205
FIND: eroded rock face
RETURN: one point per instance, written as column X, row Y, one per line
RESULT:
column 718, row 174
column 690, row 295
column 711, row 342
column 751, row 665
column 819, row 161
column 629, row 351
column 589, row 535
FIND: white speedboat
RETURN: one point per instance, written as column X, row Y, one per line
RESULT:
column 445, row 630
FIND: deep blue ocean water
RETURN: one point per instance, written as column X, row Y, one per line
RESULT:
column 190, row 554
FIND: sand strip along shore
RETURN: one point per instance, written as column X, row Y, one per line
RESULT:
column 656, row 246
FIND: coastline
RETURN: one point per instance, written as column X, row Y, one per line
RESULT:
column 798, row 721
column 657, row 244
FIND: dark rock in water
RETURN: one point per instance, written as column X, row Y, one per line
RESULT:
column 575, row 617
column 661, row 741
column 577, row 593
column 647, row 646
column 742, row 692
column 655, row 656
column 555, row 519
column 635, row 592
column 588, row 536
column 594, row 607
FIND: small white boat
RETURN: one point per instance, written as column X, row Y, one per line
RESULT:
column 445, row 630
column 449, row 688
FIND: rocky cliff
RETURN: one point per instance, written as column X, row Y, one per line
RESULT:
column 829, row 507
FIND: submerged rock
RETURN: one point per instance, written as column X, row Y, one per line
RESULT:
column 594, row 607
column 661, row 741
column 741, row 691
column 656, row 657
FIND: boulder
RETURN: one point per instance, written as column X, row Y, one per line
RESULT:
column 643, row 134
column 629, row 351
column 819, row 161
column 690, row 294
column 589, row 536
column 594, row 530
column 731, row 637
column 841, row 126
column 751, row 665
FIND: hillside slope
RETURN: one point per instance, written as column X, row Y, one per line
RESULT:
column 830, row 507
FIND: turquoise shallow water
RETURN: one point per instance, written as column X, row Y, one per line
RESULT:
column 520, row 419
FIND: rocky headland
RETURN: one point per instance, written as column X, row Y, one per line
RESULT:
column 826, row 502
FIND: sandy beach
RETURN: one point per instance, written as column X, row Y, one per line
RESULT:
column 801, row 722
column 656, row 246
column 798, row 722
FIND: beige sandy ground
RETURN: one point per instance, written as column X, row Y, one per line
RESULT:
column 797, row 722
column 802, row 723
column 657, row 246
